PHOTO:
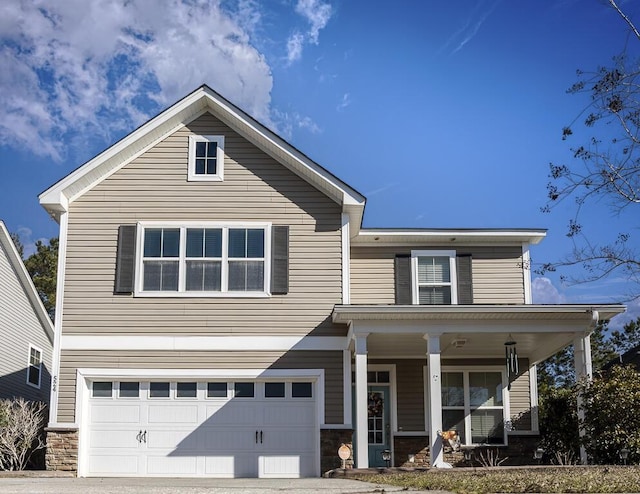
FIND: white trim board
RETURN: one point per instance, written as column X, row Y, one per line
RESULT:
column 211, row 343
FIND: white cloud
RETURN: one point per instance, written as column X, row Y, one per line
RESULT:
column 28, row 242
column 317, row 14
column 632, row 313
column 346, row 101
column 105, row 66
column 294, row 47
column 471, row 26
column 287, row 122
column 543, row 292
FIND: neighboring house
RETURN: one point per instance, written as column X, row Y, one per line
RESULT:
column 630, row 357
column 221, row 312
column 26, row 332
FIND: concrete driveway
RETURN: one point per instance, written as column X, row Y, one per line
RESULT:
column 49, row 485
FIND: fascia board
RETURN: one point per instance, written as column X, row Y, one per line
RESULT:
column 346, row 313
column 389, row 237
column 26, row 281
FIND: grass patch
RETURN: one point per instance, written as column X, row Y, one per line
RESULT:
column 551, row 479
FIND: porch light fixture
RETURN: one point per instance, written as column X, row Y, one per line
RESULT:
column 624, row 454
column 459, row 342
column 511, row 359
column 386, row 456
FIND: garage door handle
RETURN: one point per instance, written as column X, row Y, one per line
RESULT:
column 256, row 437
column 260, row 437
column 139, row 437
column 144, row 437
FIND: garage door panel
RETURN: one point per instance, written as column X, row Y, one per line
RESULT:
column 238, row 439
column 184, row 440
column 107, row 464
column 281, row 466
column 171, row 465
column 289, row 440
column 232, row 466
column 170, row 413
column 220, row 466
column 234, row 412
column 114, row 413
column 286, row 414
column 110, row 438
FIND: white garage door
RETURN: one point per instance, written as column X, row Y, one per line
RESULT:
column 213, row 429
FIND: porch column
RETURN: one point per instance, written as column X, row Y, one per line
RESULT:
column 361, row 422
column 435, row 399
column 584, row 370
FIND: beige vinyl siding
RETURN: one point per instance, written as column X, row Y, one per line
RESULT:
column 154, row 187
column 521, row 402
column 20, row 327
column 497, row 274
column 330, row 361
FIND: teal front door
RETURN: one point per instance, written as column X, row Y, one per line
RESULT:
column 379, row 424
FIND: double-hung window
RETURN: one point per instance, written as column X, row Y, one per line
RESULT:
column 34, row 369
column 473, row 405
column 204, row 259
column 434, row 277
column 206, row 158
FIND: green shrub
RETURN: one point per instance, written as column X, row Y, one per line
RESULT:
column 559, row 426
column 612, row 416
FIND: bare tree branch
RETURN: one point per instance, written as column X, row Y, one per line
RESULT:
column 626, row 19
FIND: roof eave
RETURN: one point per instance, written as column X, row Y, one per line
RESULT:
column 349, row 313
column 448, row 236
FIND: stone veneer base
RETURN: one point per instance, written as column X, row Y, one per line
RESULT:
column 62, row 449
column 518, row 452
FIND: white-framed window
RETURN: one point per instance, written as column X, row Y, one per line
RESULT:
column 434, row 277
column 34, row 367
column 206, row 158
column 203, row 259
column 474, row 404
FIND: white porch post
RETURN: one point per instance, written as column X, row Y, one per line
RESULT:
column 361, row 425
column 584, row 369
column 435, row 399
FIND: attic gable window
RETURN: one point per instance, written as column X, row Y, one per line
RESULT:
column 211, row 259
column 206, row 158
column 434, row 277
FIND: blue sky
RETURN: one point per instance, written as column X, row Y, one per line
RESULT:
column 444, row 114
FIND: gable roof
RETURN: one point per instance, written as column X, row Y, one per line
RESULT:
column 25, row 280
column 56, row 199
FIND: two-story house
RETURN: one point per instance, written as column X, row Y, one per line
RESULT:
column 26, row 332
column 221, row 312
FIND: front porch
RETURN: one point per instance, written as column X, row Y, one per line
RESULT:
column 421, row 370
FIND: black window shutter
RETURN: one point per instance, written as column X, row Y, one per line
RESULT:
column 279, row 260
column 465, row 285
column 125, row 259
column 403, row 279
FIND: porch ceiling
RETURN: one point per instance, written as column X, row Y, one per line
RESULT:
column 397, row 331
column 533, row 346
